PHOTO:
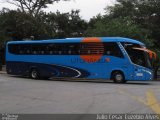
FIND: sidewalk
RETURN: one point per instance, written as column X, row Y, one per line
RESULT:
column 3, row 71
column 158, row 73
column 158, row 78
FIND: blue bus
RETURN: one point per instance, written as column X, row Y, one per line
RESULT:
column 110, row 58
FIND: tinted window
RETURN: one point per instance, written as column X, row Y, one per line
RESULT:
column 112, row 49
column 138, row 57
column 44, row 49
column 71, row 49
column 128, row 44
column 91, row 48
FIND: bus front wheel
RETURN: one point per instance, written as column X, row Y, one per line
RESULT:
column 34, row 74
column 118, row 77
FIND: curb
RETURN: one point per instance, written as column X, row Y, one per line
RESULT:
column 3, row 72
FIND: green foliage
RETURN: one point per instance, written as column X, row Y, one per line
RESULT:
column 19, row 25
column 67, row 24
column 145, row 14
column 138, row 19
column 119, row 27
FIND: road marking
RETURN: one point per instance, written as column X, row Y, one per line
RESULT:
column 151, row 100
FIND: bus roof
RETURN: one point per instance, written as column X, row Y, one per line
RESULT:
column 74, row 40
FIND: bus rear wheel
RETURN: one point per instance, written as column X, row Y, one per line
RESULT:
column 118, row 77
column 34, row 74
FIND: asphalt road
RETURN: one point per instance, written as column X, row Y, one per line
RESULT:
column 24, row 95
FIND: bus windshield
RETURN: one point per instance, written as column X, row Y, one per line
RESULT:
column 137, row 56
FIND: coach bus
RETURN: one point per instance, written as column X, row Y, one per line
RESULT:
column 109, row 58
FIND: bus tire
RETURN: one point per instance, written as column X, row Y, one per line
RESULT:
column 118, row 77
column 34, row 74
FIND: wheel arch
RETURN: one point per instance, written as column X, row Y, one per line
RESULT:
column 117, row 70
column 32, row 67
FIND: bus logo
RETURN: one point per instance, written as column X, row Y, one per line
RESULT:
column 93, row 50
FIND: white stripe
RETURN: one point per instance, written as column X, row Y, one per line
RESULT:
column 79, row 73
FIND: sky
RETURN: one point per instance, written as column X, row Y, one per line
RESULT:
column 88, row 8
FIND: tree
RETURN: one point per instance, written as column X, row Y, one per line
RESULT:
column 22, row 26
column 77, row 25
column 43, row 26
column 120, row 27
column 66, row 24
column 145, row 13
column 32, row 6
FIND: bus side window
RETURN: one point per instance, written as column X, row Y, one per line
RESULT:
column 71, row 49
column 35, row 49
column 42, row 52
column 47, row 49
column 89, row 52
column 12, row 49
column 42, row 48
column 108, row 52
column 69, row 52
column 84, row 49
column 20, row 52
column 112, row 49
column 79, row 52
column 27, row 51
column 21, row 49
column 34, row 52
column 50, row 49
column 60, row 52
column 51, row 52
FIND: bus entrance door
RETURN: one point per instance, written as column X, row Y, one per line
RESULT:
column 139, row 73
